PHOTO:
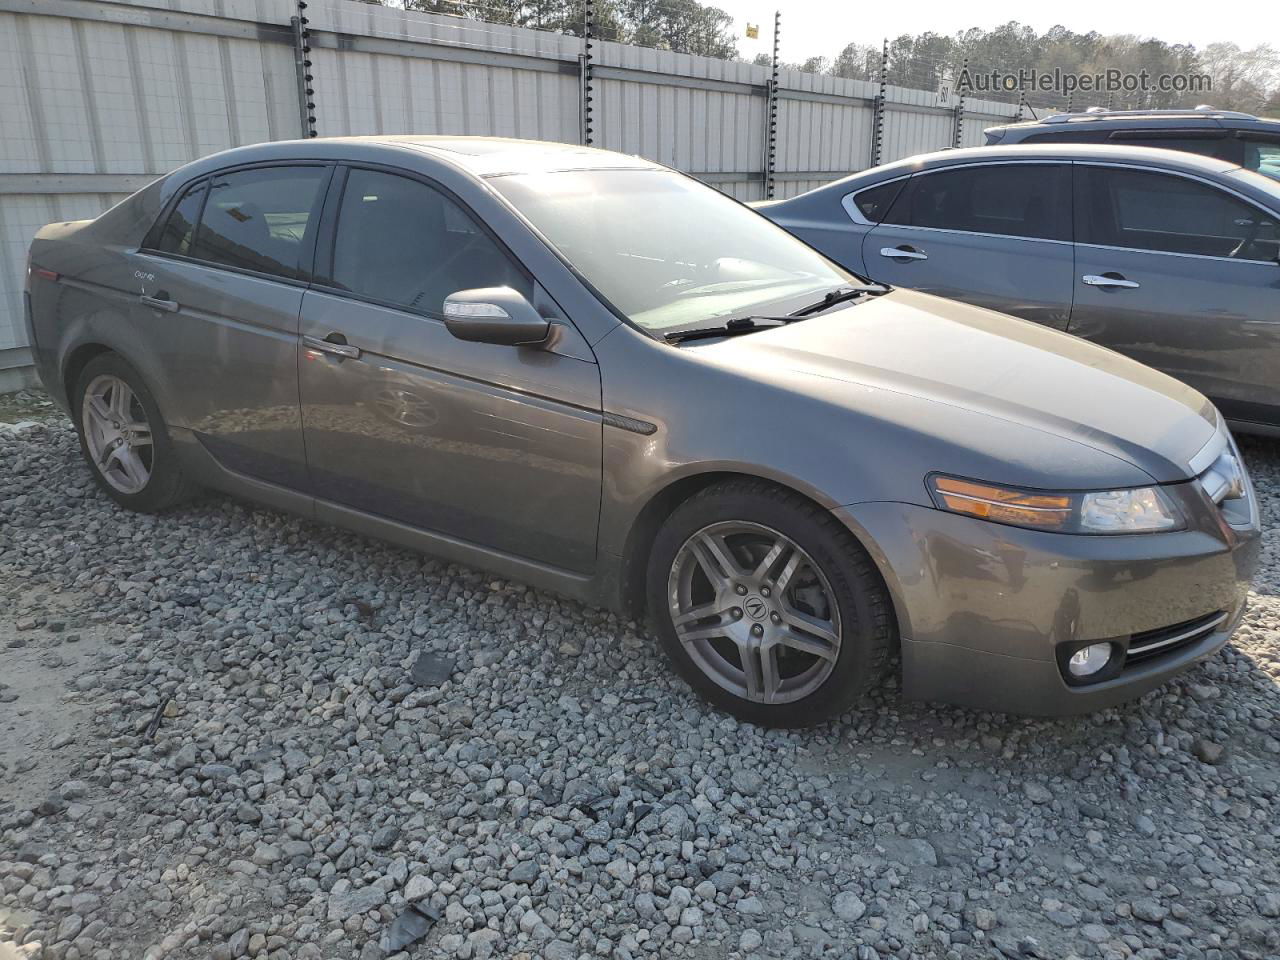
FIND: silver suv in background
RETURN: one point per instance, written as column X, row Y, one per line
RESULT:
column 1170, row 258
column 1238, row 138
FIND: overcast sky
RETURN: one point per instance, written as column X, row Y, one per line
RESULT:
column 823, row 27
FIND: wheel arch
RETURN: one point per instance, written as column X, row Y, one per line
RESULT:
column 73, row 365
column 650, row 518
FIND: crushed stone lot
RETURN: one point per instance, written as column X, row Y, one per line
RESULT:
column 214, row 743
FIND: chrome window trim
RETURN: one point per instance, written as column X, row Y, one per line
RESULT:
column 851, row 208
column 976, row 233
column 1170, row 253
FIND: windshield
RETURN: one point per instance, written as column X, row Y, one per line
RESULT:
column 666, row 251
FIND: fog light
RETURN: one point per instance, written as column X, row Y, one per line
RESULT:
column 1087, row 661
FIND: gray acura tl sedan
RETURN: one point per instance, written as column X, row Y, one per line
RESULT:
column 1170, row 258
column 594, row 374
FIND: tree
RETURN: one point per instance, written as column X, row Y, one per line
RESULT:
column 1241, row 79
column 683, row 26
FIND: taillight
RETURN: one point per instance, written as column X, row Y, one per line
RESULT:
column 41, row 272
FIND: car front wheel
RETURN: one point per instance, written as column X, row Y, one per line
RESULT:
column 767, row 605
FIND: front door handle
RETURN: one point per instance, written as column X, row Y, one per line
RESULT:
column 903, row 252
column 1109, row 280
column 161, row 302
column 335, row 345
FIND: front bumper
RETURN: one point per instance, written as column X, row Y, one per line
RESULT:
column 984, row 610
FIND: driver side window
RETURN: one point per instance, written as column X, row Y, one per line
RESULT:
column 401, row 242
column 1144, row 210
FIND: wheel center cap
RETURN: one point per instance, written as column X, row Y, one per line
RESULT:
column 755, row 607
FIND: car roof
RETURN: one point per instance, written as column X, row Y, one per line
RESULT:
column 1151, row 156
column 1138, row 120
column 479, row 156
column 1205, row 117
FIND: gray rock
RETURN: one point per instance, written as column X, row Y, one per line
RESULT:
column 848, row 907
column 1149, row 910
column 910, row 852
column 746, row 782
column 526, row 871
column 344, row 901
column 1036, row 792
column 1206, row 751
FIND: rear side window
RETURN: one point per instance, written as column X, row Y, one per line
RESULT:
column 179, row 230
column 259, row 219
column 1007, row 199
column 1211, row 144
column 1144, row 210
column 405, row 243
column 875, row 202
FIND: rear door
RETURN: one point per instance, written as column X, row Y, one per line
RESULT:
column 993, row 234
column 495, row 445
column 1181, row 275
column 220, row 285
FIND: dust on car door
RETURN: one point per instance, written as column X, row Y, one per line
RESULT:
column 221, row 280
column 499, row 446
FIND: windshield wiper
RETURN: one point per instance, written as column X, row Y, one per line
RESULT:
column 840, row 295
column 728, row 329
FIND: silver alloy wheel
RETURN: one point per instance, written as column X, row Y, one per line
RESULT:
column 754, row 612
column 117, row 433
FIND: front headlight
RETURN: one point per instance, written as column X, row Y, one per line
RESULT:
column 1137, row 510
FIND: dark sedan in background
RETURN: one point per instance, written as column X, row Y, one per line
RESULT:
column 1168, row 257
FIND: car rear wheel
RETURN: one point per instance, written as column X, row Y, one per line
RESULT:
column 124, row 439
column 767, row 605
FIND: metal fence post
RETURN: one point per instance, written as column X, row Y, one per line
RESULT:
column 877, row 138
column 959, row 138
column 584, row 76
column 771, row 131
column 302, row 70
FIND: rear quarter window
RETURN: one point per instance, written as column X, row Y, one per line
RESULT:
column 875, row 202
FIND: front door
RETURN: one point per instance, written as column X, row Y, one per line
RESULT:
column 495, row 445
column 1182, row 276
column 220, row 288
column 993, row 234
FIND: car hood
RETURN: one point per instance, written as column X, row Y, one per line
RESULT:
column 1017, row 376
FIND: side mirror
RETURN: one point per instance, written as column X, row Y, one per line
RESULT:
column 495, row 315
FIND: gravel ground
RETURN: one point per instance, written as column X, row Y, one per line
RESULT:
column 560, row 794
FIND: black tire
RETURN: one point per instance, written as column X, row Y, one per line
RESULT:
column 868, row 632
column 167, row 484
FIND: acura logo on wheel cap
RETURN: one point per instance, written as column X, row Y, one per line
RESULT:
column 755, row 608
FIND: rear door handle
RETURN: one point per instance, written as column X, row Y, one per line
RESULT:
column 1109, row 280
column 903, row 253
column 337, row 346
column 160, row 303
